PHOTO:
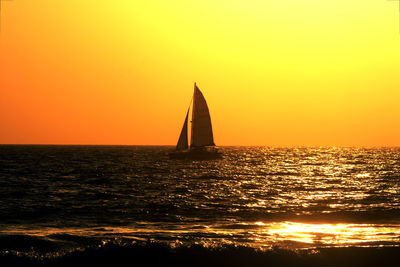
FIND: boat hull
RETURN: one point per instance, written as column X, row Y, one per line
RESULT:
column 196, row 154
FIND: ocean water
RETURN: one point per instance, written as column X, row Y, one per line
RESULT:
column 58, row 199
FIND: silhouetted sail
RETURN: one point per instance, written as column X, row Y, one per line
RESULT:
column 202, row 134
column 183, row 138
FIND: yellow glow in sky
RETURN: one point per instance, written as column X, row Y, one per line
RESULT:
column 280, row 73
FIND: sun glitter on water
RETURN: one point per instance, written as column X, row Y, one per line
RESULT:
column 333, row 234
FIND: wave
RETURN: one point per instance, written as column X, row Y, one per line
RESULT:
column 120, row 253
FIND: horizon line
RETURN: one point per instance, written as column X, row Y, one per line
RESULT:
column 273, row 146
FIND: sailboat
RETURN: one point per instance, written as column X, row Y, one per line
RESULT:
column 202, row 144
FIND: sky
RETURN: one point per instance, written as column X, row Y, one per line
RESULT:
column 274, row 73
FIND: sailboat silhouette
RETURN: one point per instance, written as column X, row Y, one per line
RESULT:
column 202, row 144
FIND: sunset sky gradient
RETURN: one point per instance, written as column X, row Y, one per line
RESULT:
column 277, row 73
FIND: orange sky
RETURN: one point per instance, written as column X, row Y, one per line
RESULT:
column 278, row 73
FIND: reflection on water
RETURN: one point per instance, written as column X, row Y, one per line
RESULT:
column 308, row 235
column 335, row 234
column 289, row 235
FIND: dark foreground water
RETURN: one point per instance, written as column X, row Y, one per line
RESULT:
column 58, row 201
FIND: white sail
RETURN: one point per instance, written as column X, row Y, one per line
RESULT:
column 202, row 134
column 183, row 138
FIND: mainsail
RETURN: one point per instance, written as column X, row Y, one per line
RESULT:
column 202, row 134
column 183, row 138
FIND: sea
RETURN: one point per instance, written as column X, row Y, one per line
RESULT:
column 58, row 200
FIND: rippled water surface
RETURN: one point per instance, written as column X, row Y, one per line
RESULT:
column 254, row 196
